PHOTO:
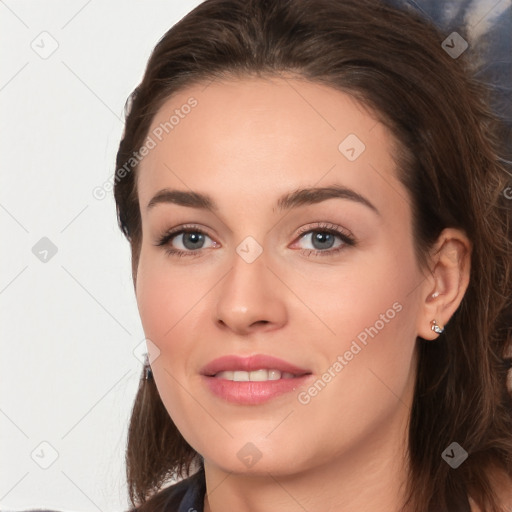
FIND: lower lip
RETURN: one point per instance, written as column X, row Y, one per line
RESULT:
column 250, row 392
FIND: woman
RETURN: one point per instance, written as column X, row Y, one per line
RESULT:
column 317, row 211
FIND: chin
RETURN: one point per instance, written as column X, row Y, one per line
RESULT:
column 248, row 458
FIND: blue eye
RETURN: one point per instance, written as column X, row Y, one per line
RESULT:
column 324, row 239
column 189, row 240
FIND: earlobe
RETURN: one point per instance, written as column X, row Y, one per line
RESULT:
column 447, row 283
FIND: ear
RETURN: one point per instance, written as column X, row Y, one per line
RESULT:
column 446, row 283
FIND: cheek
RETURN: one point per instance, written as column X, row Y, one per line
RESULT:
column 154, row 301
column 368, row 375
column 164, row 297
column 172, row 303
column 372, row 290
column 165, row 303
column 370, row 311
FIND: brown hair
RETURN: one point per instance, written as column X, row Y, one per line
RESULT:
column 392, row 61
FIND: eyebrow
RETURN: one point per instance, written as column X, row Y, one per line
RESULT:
column 305, row 196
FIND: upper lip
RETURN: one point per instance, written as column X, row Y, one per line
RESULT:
column 249, row 364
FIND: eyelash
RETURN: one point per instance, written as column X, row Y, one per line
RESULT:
column 333, row 229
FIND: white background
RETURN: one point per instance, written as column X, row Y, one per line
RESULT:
column 70, row 324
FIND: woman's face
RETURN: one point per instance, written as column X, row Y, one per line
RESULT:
column 303, row 252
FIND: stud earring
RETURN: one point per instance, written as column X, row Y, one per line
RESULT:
column 436, row 328
column 435, row 294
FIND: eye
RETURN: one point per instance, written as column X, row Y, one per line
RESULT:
column 324, row 239
column 185, row 241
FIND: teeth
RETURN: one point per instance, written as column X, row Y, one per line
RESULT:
column 241, row 376
column 254, row 376
column 259, row 375
column 273, row 374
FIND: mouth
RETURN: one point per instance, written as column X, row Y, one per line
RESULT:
column 261, row 375
column 252, row 380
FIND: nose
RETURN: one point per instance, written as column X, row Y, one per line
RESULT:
column 250, row 299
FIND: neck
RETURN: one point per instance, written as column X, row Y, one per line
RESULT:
column 371, row 476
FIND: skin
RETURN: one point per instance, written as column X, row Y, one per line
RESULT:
column 247, row 142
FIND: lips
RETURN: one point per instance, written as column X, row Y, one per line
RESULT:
column 252, row 380
column 252, row 364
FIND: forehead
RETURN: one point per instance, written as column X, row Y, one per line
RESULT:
column 260, row 135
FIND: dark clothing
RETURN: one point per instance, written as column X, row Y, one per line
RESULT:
column 188, row 496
